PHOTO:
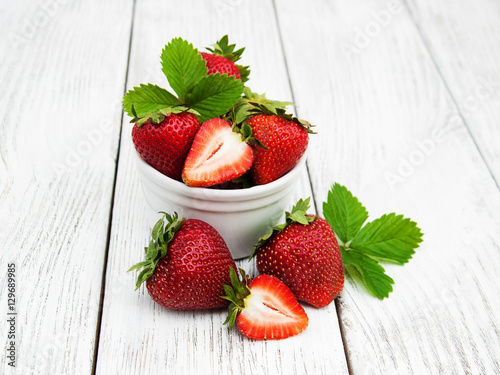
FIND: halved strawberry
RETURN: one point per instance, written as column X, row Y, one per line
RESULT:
column 264, row 308
column 217, row 155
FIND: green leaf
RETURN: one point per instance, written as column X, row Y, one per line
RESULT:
column 372, row 273
column 214, row 95
column 390, row 237
column 158, row 247
column 183, row 66
column 344, row 213
column 147, row 99
column 298, row 213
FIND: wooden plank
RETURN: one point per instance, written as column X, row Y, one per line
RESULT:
column 383, row 112
column 60, row 116
column 464, row 41
column 139, row 336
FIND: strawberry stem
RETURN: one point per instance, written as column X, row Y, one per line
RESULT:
column 236, row 294
column 298, row 214
column 162, row 234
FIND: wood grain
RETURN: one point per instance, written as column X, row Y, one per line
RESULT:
column 405, row 103
column 139, row 337
column 59, row 130
column 465, row 44
column 383, row 112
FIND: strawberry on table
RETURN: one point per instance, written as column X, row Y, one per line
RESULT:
column 187, row 264
column 222, row 59
column 264, row 308
column 304, row 254
column 285, row 138
column 218, row 155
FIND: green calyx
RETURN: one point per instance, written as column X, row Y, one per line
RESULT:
column 251, row 104
column 158, row 117
column 162, row 234
column 236, row 294
column 246, row 133
column 296, row 215
column 224, row 49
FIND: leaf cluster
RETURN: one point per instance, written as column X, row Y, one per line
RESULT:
column 390, row 238
column 207, row 95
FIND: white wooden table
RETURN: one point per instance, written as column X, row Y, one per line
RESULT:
column 406, row 99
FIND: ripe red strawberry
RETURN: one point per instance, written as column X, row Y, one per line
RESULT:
column 187, row 263
column 164, row 142
column 264, row 308
column 222, row 60
column 217, row 155
column 305, row 255
column 286, row 141
column 220, row 64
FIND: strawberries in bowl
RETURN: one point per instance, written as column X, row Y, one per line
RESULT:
column 237, row 130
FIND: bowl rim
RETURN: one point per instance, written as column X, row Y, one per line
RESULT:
column 203, row 193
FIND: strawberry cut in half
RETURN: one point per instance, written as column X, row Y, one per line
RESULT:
column 264, row 308
column 218, row 154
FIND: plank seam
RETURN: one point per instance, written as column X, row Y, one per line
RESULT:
column 428, row 49
column 110, row 220
column 291, row 90
column 337, row 307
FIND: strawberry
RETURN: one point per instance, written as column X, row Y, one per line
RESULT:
column 222, row 60
column 187, row 263
column 280, row 138
column 305, row 255
column 217, row 155
column 164, row 141
column 264, row 308
column 286, row 142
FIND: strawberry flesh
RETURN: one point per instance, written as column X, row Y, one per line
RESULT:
column 271, row 311
column 217, row 155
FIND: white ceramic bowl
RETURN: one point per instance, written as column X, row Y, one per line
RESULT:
column 241, row 216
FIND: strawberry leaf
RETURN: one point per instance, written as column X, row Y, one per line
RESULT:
column 372, row 273
column 344, row 212
column 390, row 237
column 147, row 99
column 214, row 95
column 183, row 66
